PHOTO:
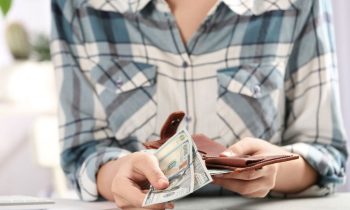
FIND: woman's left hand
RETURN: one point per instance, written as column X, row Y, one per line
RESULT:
column 253, row 183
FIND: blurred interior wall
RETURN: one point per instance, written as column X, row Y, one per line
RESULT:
column 342, row 27
column 20, row 172
column 26, row 12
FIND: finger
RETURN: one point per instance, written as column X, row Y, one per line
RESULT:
column 247, row 146
column 148, row 165
column 124, row 204
column 167, row 205
column 242, row 187
column 245, row 175
column 133, row 195
column 126, row 189
column 258, row 194
column 153, row 207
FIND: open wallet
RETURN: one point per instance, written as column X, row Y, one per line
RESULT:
column 211, row 150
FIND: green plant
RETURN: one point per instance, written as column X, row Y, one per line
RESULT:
column 18, row 41
column 41, row 48
column 5, row 6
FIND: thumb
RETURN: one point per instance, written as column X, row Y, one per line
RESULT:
column 244, row 147
column 149, row 166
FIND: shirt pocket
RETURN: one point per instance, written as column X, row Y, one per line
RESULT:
column 121, row 76
column 127, row 91
column 248, row 102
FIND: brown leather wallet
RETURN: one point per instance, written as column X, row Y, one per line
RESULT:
column 211, row 150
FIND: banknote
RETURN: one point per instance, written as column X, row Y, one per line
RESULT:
column 213, row 172
column 201, row 174
column 180, row 186
column 182, row 165
column 175, row 160
column 176, row 154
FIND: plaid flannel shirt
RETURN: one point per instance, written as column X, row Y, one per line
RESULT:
column 254, row 68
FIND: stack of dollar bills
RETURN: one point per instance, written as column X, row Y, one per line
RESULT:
column 183, row 166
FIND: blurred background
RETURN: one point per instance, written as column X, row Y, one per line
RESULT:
column 29, row 162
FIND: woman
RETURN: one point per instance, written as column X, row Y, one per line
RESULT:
column 257, row 76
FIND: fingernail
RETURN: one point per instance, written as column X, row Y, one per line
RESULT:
column 162, row 182
column 228, row 153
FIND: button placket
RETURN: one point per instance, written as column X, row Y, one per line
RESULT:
column 188, row 118
column 188, row 76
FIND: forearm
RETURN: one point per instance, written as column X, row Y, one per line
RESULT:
column 105, row 177
column 294, row 176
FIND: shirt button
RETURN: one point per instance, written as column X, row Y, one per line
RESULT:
column 184, row 64
column 257, row 90
column 119, row 82
column 188, row 119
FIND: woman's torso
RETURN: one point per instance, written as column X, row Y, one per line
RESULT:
column 229, row 78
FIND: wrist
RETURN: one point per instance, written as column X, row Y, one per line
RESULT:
column 105, row 176
column 294, row 176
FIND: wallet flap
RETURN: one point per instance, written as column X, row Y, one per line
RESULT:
column 236, row 161
column 168, row 130
column 171, row 124
column 207, row 147
column 266, row 160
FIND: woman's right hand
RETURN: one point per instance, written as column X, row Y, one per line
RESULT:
column 128, row 179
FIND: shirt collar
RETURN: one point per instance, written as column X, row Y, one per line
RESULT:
column 241, row 7
column 258, row 7
column 122, row 6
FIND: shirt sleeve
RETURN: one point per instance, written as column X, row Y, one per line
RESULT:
column 85, row 139
column 314, row 127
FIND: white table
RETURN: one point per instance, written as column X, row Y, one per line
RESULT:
column 340, row 201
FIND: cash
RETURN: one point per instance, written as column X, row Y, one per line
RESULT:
column 201, row 174
column 213, row 172
column 181, row 163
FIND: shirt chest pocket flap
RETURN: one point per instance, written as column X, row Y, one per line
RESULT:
column 122, row 76
column 250, row 92
column 252, row 80
column 126, row 90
